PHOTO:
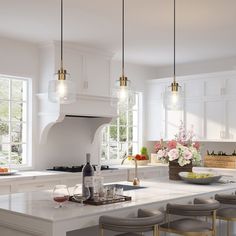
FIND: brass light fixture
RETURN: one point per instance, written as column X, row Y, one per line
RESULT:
column 173, row 96
column 123, row 91
column 61, row 89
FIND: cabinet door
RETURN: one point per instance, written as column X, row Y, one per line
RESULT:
column 5, row 189
column 155, row 121
column 155, row 112
column 97, row 71
column 231, row 116
column 35, row 186
column 215, row 120
column 194, row 117
column 172, row 121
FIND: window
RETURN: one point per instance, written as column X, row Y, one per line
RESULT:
column 122, row 135
column 13, row 120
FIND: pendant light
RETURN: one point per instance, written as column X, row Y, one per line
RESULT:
column 173, row 96
column 123, row 91
column 61, row 89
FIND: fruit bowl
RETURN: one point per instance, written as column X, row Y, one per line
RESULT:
column 199, row 178
column 142, row 162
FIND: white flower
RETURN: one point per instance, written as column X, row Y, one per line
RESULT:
column 161, row 154
column 173, row 154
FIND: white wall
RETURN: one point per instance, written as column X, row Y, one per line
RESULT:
column 22, row 59
column 201, row 67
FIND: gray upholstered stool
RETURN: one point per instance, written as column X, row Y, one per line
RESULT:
column 226, row 213
column 145, row 221
column 191, row 226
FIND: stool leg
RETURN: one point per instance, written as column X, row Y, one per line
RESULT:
column 228, row 228
column 101, row 231
column 154, row 230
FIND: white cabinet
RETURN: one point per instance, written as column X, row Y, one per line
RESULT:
column 231, row 119
column 172, row 122
column 209, row 106
column 214, row 120
column 155, row 120
column 194, row 117
column 5, row 189
column 31, row 186
column 89, row 68
column 155, row 113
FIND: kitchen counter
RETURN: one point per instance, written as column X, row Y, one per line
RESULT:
column 41, row 175
column 33, row 212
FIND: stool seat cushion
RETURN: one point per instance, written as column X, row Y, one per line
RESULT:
column 228, row 212
column 187, row 225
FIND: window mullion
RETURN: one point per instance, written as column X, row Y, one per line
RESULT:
column 10, row 116
column 118, row 135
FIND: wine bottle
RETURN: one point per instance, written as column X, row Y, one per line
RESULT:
column 88, row 173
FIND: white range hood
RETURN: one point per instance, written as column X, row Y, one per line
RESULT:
column 88, row 106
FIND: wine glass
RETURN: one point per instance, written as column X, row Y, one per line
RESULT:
column 81, row 193
column 60, row 195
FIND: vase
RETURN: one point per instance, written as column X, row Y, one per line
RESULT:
column 175, row 169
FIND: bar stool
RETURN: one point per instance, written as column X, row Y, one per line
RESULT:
column 226, row 213
column 145, row 221
column 191, row 226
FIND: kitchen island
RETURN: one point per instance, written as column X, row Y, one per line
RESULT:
column 33, row 213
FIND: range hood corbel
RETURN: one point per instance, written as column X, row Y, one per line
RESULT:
column 86, row 106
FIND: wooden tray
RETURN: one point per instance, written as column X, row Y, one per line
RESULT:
column 104, row 201
column 220, row 161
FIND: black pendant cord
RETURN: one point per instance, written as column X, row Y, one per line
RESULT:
column 123, row 38
column 174, row 44
column 62, row 34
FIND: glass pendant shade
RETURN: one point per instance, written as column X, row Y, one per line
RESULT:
column 173, row 98
column 124, row 93
column 61, row 90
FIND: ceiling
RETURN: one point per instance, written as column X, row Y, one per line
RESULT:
column 206, row 29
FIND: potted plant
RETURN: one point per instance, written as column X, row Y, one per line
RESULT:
column 181, row 153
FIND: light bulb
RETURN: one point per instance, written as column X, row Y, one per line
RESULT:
column 123, row 93
column 174, row 98
column 61, row 89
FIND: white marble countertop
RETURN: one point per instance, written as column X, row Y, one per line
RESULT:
column 45, row 174
column 41, row 175
column 39, row 205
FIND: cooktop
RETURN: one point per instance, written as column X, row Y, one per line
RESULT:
column 78, row 168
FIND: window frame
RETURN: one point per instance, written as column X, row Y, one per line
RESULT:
column 28, row 122
column 139, row 127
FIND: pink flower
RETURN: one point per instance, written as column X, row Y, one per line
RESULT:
column 171, row 144
column 187, row 154
column 173, row 154
column 161, row 154
column 196, row 145
column 158, row 146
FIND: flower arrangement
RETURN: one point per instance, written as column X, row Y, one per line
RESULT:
column 182, row 148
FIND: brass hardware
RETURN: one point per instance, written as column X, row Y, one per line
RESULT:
column 136, row 180
column 101, row 231
column 174, row 87
column 228, row 219
column 62, row 74
column 211, row 232
column 123, row 81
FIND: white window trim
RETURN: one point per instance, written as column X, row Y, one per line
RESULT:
column 139, row 130
column 29, row 128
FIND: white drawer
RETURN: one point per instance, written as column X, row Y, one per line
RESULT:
column 5, row 189
column 30, row 187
